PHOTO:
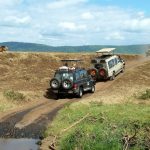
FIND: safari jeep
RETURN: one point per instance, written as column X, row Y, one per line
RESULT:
column 107, row 65
column 72, row 80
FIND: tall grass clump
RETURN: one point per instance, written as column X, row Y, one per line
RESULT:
column 145, row 95
column 5, row 106
column 14, row 95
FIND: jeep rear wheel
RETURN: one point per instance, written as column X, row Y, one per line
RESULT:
column 54, row 83
column 80, row 93
column 67, row 84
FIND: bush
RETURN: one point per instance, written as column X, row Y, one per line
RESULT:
column 14, row 95
column 145, row 95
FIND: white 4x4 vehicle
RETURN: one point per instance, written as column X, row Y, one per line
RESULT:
column 106, row 66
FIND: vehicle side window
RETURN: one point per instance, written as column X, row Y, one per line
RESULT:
column 81, row 74
column 57, row 75
column 77, row 76
column 85, row 74
column 119, row 60
column 102, row 61
column 116, row 62
column 111, row 63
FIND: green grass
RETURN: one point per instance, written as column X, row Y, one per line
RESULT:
column 14, row 96
column 104, row 128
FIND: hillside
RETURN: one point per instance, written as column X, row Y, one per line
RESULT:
column 27, row 106
column 124, row 49
column 22, row 71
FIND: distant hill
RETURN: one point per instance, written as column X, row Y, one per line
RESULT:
column 31, row 47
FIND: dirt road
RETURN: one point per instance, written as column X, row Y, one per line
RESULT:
column 30, row 121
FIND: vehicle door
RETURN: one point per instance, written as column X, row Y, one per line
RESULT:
column 119, row 64
column 116, row 65
column 77, row 78
column 111, row 67
column 88, row 79
column 83, row 79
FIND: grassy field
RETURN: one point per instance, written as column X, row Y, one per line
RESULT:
column 103, row 127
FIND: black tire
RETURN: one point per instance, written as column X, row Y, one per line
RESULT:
column 54, row 83
column 67, row 84
column 112, row 77
column 80, row 93
column 57, row 97
column 93, row 72
column 92, row 89
column 123, row 69
column 102, row 73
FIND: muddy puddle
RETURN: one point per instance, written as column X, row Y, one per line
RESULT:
column 18, row 144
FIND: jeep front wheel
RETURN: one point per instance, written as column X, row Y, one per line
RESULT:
column 92, row 89
column 80, row 93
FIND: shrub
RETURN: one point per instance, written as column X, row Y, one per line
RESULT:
column 145, row 95
column 14, row 95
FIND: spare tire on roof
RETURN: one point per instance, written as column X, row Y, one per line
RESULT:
column 67, row 84
column 55, row 83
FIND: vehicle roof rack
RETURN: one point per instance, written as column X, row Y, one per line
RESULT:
column 105, row 50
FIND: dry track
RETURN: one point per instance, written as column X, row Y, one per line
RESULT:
column 32, row 119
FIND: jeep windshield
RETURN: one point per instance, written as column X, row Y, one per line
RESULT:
column 64, row 75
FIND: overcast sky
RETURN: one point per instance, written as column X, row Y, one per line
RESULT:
column 75, row 22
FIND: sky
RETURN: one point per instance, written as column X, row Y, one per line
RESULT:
column 75, row 22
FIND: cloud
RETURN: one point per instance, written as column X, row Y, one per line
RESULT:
column 57, row 4
column 115, row 36
column 14, row 21
column 141, row 14
column 137, row 25
column 8, row 3
column 72, row 26
column 71, row 22
column 87, row 15
column 18, row 20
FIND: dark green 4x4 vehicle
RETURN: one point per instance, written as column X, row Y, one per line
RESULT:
column 72, row 81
